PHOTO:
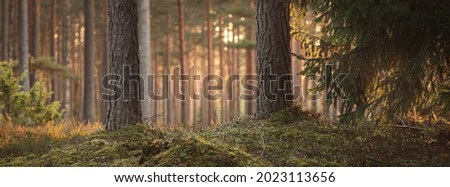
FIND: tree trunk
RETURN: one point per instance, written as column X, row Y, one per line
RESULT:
column 167, row 73
column 145, row 65
column 184, row 102
column 52, row 44
column 23, row 44
column 65, row 55
column 124, row 55
column 250, row 62
column 14, row 20
column 89, row 63
column 273, row 48
column 236, row 109
column 222, row 72
column 105, row 63
column 35, row 29
column 5, row 30
column 210, row 59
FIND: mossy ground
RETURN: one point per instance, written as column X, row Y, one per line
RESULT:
column 288, row 138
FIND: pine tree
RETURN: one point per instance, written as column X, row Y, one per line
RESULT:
column 273, row 48
column 124, row 53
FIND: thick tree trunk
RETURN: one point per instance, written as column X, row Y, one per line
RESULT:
column 124, row 56
column 35, row 30
column 89, row 63
column 23, row 44
column 5, row 24
column 145, row 65
column 184, row 90
column 273, row 48
column 65, row 56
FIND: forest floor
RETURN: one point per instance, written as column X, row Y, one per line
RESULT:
column 288, row 138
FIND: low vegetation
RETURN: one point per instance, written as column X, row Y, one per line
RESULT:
column 289, row 138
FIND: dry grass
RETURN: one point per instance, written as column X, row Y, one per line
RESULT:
column 17, row 140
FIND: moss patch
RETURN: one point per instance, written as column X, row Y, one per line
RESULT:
column 197, row 151
column 119, row 148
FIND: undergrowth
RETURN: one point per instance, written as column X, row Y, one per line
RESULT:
column 289, row 138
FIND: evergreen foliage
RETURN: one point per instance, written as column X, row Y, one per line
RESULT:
column 397, row 53
column 24, row 108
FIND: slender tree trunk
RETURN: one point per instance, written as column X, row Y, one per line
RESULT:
column 52, row 44
column 105, row 63
column 210, row 58
column 23, row 44
column 204, row 101
column 236, row 65
column 5, row 30
column 145, row 65
column 35, row 30
column 228, row 86
column 249, row 62
column 89, row 63
column 124, row 56
column 273, row 48
column 184, row 102
column 154, row 85
column 222, row 72
column 167, row 73
column 15, row 17
column 65, row 55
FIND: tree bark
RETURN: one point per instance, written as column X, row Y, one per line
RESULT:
column 236, row 109
column 89, row 63
column 145, row 65
column 210, row 60
column 273, row 51
column 250, row 62
column 184, row 102
column 35, row 30
column 5, row 30
column 167, row 73
column 222, row 72
column 65, row 56
column 124, row 54
column 52, row 44
column 23, row 44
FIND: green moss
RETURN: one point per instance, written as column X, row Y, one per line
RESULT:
column 288, row 138
column 197, row 151
column 118, row 148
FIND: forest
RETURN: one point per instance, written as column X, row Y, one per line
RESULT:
column 224, row 83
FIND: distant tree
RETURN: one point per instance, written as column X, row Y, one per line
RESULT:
column 105, row 63
column 52, row 44
column 210, row 106
column 65, row 57
column 274, row 59
column 144, row 55
column 167, row 83
column 35, row 26
column 124, row 53
column 23, row 44
column 5, row 24
column 89, row 63
column 184, row 87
